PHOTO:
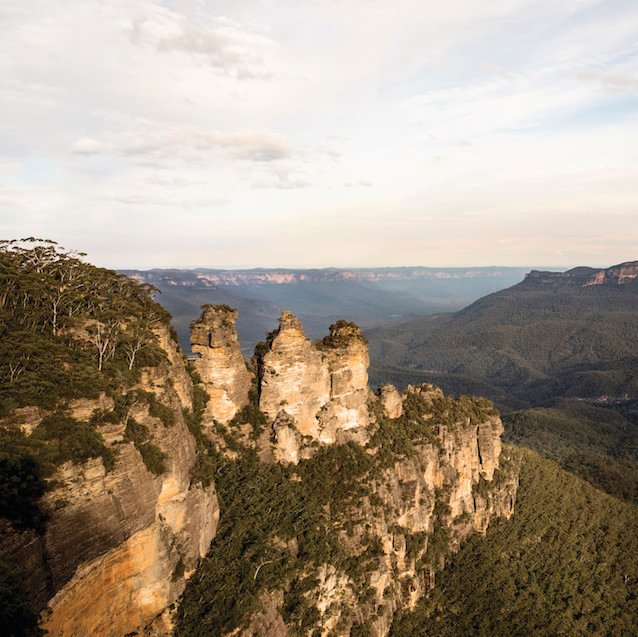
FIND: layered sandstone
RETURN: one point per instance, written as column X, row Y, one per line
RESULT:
column 221, row 365
column 451, row 487
column 346, row 353
column 293, row 377
column 323, row 388
column 119, row 544
column 391, row 401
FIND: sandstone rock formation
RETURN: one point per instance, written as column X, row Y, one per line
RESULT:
column 346, row 352
column 120, row 544
column 324, row 388
column 420, row 509
column 391, row 400
column 221, row 364
column 293, row 376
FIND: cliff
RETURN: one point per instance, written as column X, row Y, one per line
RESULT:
column 338, row 505
column 323, row 387
column 221, row 365
column 341, row 505
column 121, row 540
column 621, row 274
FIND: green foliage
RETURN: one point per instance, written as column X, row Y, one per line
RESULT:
column 251, row 413
column 521, row 346
column 161, row 411
column 297, row 612
column 340, row 334
column 279, row 523
column 154, row 458
column 263, row 508
column 69, row 329
column 69, row 439
column 203, row 469
column 421, row 422
column 564, row 564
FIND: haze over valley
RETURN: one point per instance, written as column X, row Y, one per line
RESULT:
column 369, row 297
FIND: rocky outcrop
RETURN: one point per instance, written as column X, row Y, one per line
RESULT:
column 346, row 352
column 616, row 275
column 323, row 388
column 621, row 274
column 417, row 512
column 221, row 365
column 120, row 543
column 391, row 401
column 293, row 376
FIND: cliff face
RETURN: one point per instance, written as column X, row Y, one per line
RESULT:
column 323, row 388
column 620, row 274
column 384, row 488
column 221, row 364
column 401, row 480
column 120, row 544
column 293, row 377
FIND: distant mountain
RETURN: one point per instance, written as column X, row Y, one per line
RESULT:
column 571, row 334
column 371, row 296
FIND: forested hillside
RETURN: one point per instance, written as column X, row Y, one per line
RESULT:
column 596, row 443
column 69, row 329
column 565, row 564
column 524, row 345
column 559, row 354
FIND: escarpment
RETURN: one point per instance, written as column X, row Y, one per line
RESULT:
column 341, row 504
column 122, row 536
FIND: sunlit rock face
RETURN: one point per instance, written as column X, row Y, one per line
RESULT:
column 120, row 544
column 293, row 377
column 221, row 365
column 346, row 352
column 391, row 401
column 322, row 387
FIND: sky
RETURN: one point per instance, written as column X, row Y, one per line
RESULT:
column 314, row 133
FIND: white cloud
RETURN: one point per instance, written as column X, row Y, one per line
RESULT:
column 615, row 82
column 154, row 142
column 227, row 47
column 475, row 125
column 87, row 146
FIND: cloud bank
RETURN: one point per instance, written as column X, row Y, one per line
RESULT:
column 319, row 133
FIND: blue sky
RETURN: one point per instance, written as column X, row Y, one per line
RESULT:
column 322, row 133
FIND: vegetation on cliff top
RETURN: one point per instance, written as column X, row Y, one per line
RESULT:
column 69, row 329
column 564, row 564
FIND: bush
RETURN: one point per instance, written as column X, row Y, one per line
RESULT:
column 154, row 458
column 70, row 439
